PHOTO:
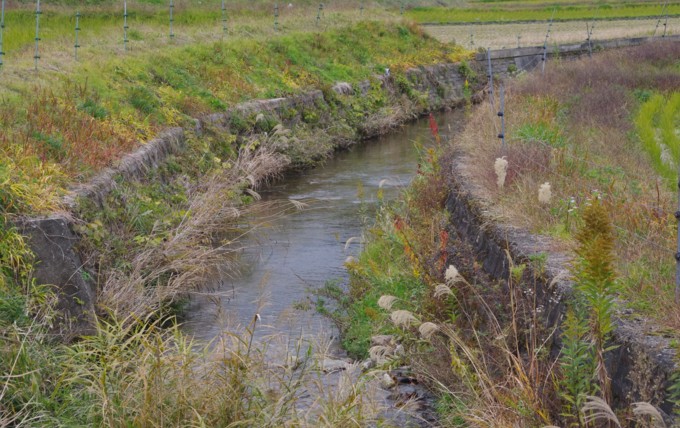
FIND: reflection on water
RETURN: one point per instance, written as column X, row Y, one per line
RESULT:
column 304, row 249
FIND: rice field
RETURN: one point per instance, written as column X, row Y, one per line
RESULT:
column 498, row 36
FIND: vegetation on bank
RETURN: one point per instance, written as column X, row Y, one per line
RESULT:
column 589, row 127
column 75, row 125
column 541, row 12
column 70, row 127
column 155, row 237
column 483, row 344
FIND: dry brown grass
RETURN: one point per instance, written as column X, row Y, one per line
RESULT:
column 498, row 36
column 587, row 106
column 182, row 263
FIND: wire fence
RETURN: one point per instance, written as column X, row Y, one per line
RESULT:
column 221, row 15
column 148, row 17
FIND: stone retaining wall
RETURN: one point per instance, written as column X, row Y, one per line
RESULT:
column 643, row 363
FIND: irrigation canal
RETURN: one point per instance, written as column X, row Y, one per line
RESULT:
column 302, row 250
column 290, row 255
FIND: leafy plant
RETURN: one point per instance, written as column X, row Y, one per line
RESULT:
column 595, row 285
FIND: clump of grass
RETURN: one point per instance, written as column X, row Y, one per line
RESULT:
column 141, row 372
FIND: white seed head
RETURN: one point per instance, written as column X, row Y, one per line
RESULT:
column 427, row 329
column 501, row 168
column 386, row 302
column 442, row 290
column 452, row 276
column 379, row 353
column 349, row 242
column 544, row 193
column 642, row 409
column 403, row 318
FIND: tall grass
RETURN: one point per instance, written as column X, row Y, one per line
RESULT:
column 139, row 373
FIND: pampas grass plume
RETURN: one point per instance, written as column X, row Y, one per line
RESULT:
column 452, row 276
column 442, row 290
column 544, row 193
column 386, row 302
column 596, row 409
column 501, row 168
column 645, row 409
column 427, row 329
column 379, row 353
column 403, row 318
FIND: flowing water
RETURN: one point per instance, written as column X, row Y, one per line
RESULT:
column 291, row 255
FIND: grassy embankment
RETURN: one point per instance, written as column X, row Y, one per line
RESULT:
column 64, row 127
column 591, row 127
column 603, row 134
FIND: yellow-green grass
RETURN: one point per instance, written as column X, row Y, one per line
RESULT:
column 74, row 120
column 506, row 35
column 574, row 128
column 541, row 13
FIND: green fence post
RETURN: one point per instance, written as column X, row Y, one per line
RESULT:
column 318, row 14
column 76, row 45
column 224, row 18
column 36, row 55
column 125, row 25
column 2, row 29
column 172, row 7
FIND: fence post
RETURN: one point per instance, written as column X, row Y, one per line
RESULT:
column 318, row 14
column 665, row 24
column 361, row 8
column 224, row 19
column 589, row 32
column 125, row 25
column 172, row 7
column 658, row 21
column 501, row 114
column 36, row 55
column 490, row 76
column 401, row 11
column 276, row 17
column 76, row 45
column 2, row 29
column 545, row 44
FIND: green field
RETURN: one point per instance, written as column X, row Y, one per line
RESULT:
column 539, row 12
